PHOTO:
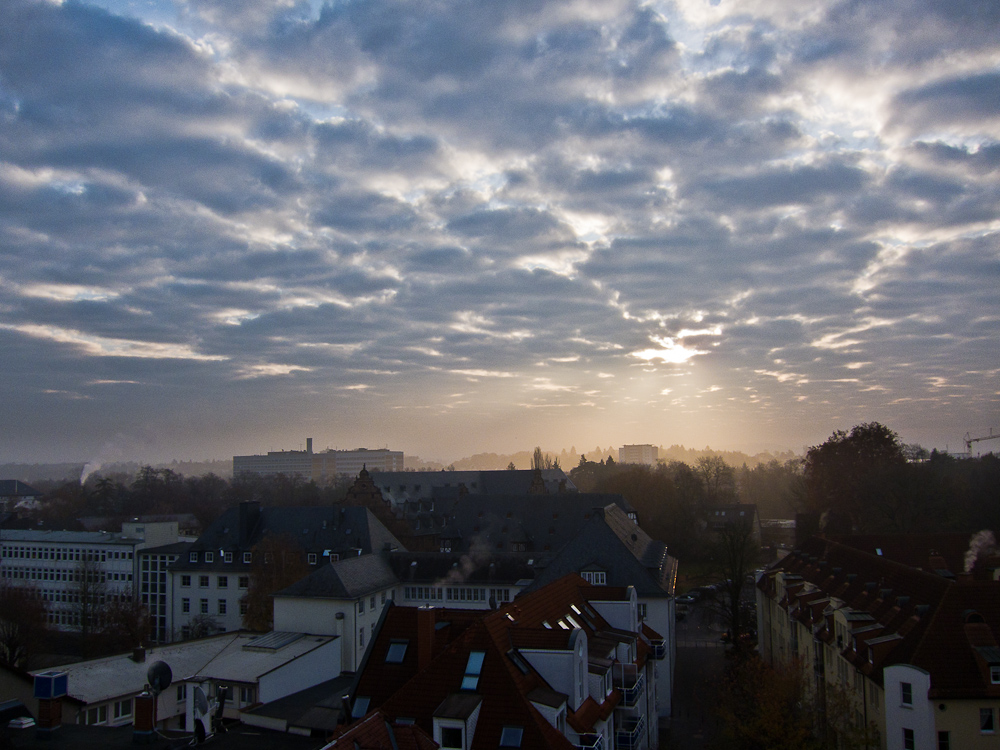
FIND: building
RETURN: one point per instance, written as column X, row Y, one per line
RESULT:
column 320, row 467
column 255, row 669
column 77, row 572
column 156, row 589
column 209, row 584
column 568, row 666
column 15, row 493
column 408, row 487
column 906, row 656
column 638, row 454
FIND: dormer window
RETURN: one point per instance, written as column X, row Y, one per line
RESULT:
column 595, row 577
column 193, row 557
column 247, row 558
column 209, row 557
column 995, row 674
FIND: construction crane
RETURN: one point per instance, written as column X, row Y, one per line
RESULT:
column 969, row 440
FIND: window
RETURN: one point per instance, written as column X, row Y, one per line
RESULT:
column 596, row 577
column 361, row 637
column 193, row 557
column 511, row 736
column 944, row 741
column 361, row 606
column 244, row 582
column 228, row 557
column 209, row 557
column 383, row 597
column 222, row 582
column 995, row 674
column 451, row 737
column 123, row 708
column 246, row 695
column 371, row 603
column 247, row 558
column 987, row 723
column 203, row 582
column 182, row 691
column 473, row 669
column 243, row 606
column 642, row 611
column 396, row 652
column 222, row 606
column 906, row 693
column 204, row 606
column 186, row 581
column 185, row 605
column 311, row 558
column 908, row 741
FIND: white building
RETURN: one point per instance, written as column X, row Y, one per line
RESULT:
column 638, row 454
column 76, row 572
column 321, row 466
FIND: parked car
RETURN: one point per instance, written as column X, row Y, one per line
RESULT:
column 687, row 599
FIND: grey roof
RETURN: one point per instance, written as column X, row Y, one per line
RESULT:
column 317, row 529
column 176, row 548
column 17, row 488
column 349, row 578
column 613, row 543
column 68, row 537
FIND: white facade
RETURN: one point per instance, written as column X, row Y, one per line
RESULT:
column 321, row 466
column 213, row 595
column 909, row 714
column 56, row 564
column 638, row 454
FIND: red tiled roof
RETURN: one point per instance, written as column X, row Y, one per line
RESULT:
column 376, row 732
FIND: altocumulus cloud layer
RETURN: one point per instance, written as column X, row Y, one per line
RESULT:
column 454, row 226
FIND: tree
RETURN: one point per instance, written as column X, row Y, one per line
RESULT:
column 737, row 552
column 764, row 708
column 278, row 562
column 718, row 478
column 124, row 624
column 853, row 471
column 22, row 624
column 537, row 459
column 511, row 467
column 88, row 592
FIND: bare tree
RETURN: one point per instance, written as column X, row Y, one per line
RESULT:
column 22, row 624
column 124, row 624
column 737, row 552
column 89, row 592
column 278, row 562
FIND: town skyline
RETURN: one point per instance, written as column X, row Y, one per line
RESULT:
column 460, row 228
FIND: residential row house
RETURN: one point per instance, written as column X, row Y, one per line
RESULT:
column 567, row 666
column 895, row 656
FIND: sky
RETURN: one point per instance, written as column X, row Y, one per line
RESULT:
column 451, row 227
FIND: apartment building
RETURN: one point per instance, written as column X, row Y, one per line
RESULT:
column 902, row 657
column 638, row 454
column 567, row 666
column 76, row 572
column 209, row 584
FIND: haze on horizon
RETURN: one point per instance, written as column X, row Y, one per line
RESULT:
column 452, row 228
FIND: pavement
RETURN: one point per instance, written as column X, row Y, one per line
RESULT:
column 700, row 664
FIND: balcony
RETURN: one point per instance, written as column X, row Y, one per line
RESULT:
column 659, row 648
column 629, row 735
column 590, row 742
column 630, row 681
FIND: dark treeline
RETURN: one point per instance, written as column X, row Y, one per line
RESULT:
column 163, row 491
column 864, row 481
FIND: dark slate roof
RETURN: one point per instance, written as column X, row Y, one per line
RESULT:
column 915, row 550
column 17, row 488
column 431, row 567
column 544, row 523
column 340, row 529
column 612, row 542
column 442, row 484
column 315, row 708
column 349, row 578
column 177, row 548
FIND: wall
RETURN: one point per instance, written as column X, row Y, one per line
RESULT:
column 310, row 669
column 919, row 717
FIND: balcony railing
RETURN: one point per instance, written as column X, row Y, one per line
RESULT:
column 629, row 735
column 590, row 742
column 659, row 649
column 630, row 681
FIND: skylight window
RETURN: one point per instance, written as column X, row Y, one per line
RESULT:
column 511, row 736
column 473, row 669
column 360, row 707
column 563, row 625
column 574, row 623
column 396, row 652
column 575, row 609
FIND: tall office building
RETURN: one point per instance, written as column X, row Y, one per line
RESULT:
column 319, row 466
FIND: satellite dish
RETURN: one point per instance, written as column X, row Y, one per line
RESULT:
column 159, row 676
column 200, row 702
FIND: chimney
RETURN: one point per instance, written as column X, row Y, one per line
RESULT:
column 144, row 726
column 425, row 636
column 139, row 654
column 249, row 514
column 50, row 687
